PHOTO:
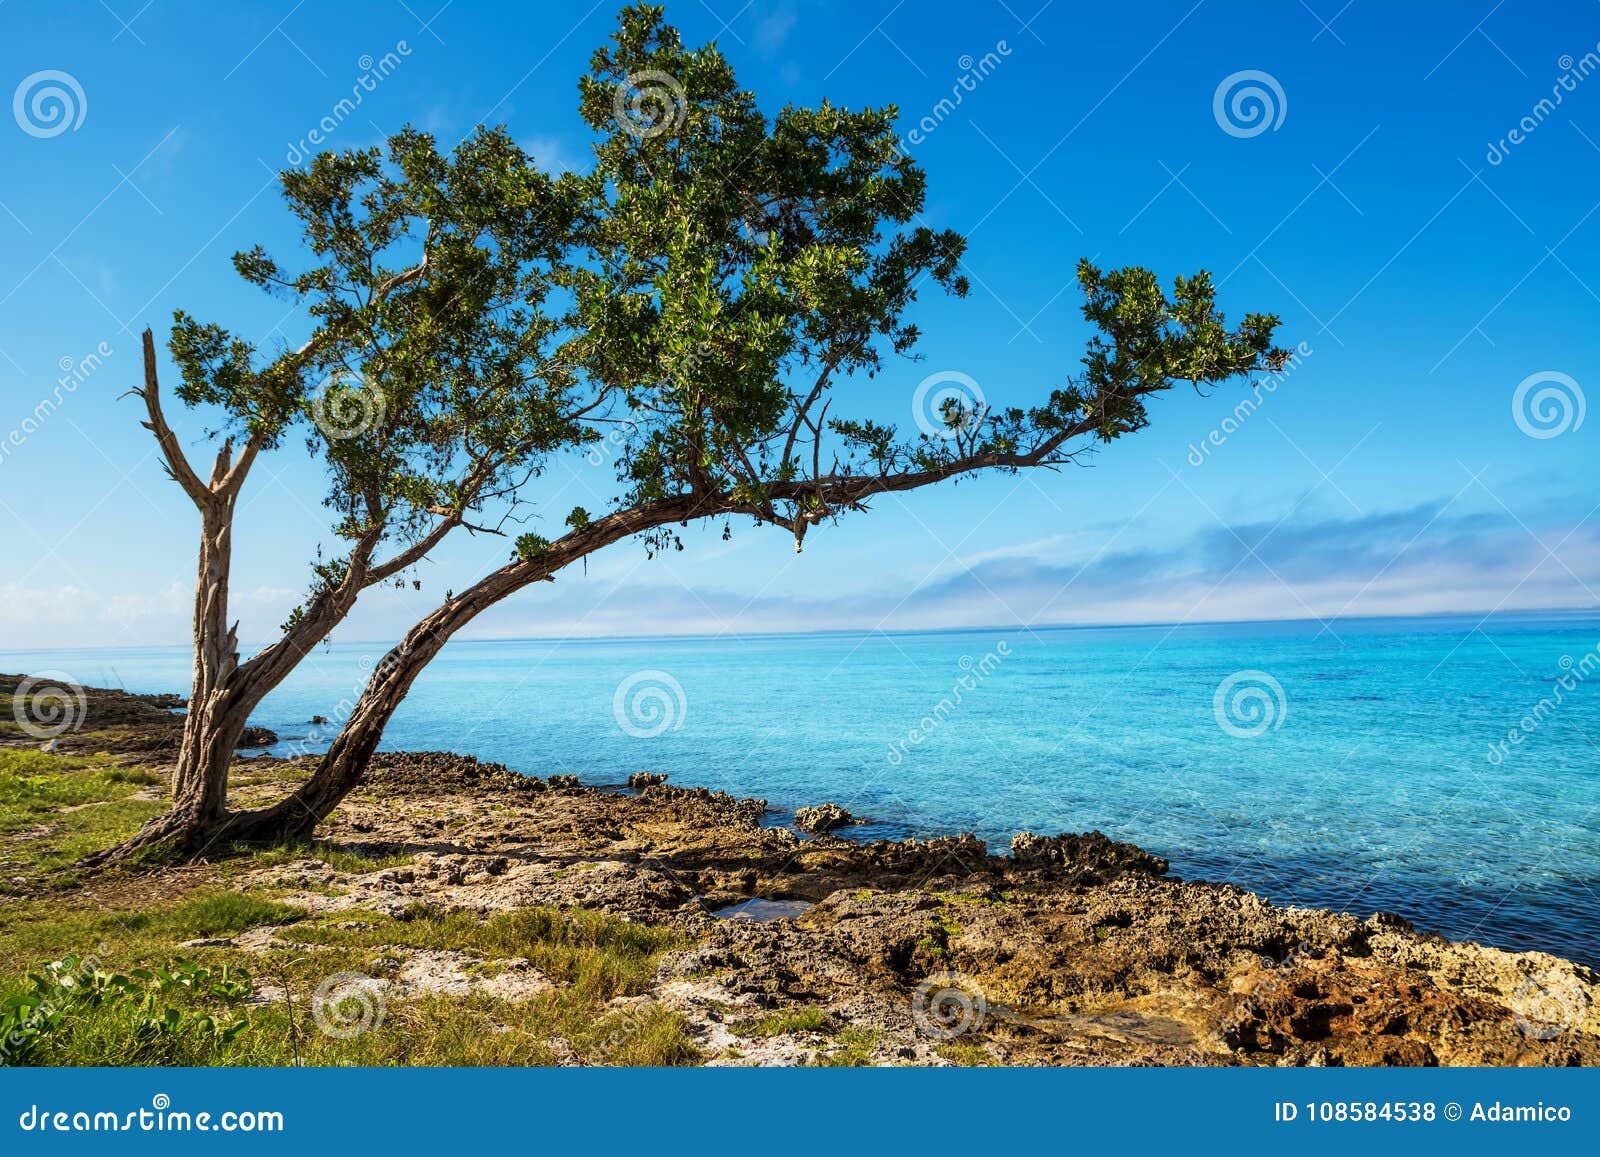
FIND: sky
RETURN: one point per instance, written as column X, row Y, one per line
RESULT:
column 1415, row 190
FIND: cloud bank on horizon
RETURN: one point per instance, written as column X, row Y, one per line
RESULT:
column 1427, row 558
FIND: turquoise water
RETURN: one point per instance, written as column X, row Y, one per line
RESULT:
column 1369, row 786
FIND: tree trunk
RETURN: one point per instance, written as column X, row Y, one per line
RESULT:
column 341, row 769
column 216, row 716
column 297, row 816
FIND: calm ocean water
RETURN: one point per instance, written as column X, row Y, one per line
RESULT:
column 1352, row 768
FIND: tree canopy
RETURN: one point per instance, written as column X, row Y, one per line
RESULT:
column 707, row 302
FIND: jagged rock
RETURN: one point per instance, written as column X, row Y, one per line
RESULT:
column 1089, row 858
column 254, row 736
column 822, row 818
column 422, row 772
column 640, row 780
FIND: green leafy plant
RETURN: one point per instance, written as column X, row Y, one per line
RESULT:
column 66, row 994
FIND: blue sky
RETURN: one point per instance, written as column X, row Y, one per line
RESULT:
column 1388, row 474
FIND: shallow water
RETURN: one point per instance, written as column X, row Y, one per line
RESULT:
column 1370, row 785
column 762, row 911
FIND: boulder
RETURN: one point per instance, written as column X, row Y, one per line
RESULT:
column 822, row 818
column 254, row 736
column 1092, row 857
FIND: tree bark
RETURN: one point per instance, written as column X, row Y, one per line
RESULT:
column 346, row 760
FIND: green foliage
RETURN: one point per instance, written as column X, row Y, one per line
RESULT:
column 808, row 1019
column 709, row 301
column 75, row 995
column 530, row 545
column 730, row 252
column 218, row 913
column 432, row 378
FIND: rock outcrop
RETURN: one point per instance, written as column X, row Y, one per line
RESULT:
column 822, row 818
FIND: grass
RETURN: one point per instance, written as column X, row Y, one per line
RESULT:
column 369, row 858
column 56, row 809
column 208, row 913
column 808, row 1019
column 967, row 1054
column 591, row 958
column 856, row 1051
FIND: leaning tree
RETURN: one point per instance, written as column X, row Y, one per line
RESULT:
column 727, row 282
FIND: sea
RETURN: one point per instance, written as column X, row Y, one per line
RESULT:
column 1445, row 769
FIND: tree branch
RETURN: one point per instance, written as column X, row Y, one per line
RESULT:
column 177, row 466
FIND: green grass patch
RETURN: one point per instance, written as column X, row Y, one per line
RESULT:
column 218, row 914
column 970, row 1055
column 130, row 924
column 856, row 1052
column 361, row 858
column 592, row 959
column 808, row 1019
column 56, row 809
column 599, row 955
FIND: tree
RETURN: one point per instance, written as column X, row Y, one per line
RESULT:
column 432, row 384
column 727, row 277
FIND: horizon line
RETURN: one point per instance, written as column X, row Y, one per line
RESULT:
column 1482, row 616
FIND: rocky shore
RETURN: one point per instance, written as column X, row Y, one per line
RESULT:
column 1074, row 949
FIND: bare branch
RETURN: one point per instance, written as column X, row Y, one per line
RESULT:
column 177, row 465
